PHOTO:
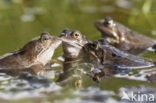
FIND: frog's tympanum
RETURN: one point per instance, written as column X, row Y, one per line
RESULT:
column 122, row 37
column 35, row 54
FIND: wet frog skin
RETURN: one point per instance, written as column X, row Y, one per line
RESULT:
column 109, row 55
column 122, row 37
column 73, row 47
column 99, row 53
column 73, row 43
column 104, row 58
column 35, row 54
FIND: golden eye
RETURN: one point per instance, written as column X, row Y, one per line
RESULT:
column 76, row 35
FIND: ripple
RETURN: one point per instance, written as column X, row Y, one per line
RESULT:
column 90, row 95
column 26, row 85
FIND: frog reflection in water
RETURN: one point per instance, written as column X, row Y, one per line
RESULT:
column 34, row 55
column 122, row 37
column 75, row 45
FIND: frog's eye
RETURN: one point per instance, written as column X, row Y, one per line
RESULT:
column 76, row 35
column 94, row 45
column 46, row 38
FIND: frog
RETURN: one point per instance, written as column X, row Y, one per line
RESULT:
column 73, row 43
column 102, row 53
column 36, row 54
column 122, row 37
column 103, row 57
column 74, row 54
column 106, row 54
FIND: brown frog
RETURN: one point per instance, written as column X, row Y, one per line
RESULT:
column 76, row 45
column 104, row 59
column 109, row 55
column 122, row 37
column 35, row 54
column 73, row 43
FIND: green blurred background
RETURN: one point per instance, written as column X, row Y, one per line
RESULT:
column 22, row 20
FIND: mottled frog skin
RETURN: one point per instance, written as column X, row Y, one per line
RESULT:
column 122, row 37
column 103, row 59
column 109, row 55
column 35, row 54
column 75, row 45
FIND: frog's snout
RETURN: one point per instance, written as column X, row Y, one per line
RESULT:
column 63, row 35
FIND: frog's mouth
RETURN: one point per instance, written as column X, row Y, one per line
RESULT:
column 71, row 47
column 55, row 42
column 68, row 40
column 46, row 54
column 72, row 43
column 106, row 31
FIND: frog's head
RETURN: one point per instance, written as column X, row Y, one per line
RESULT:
column 73, row 43
column 40, row 50
column 96, row 51
column 108, row 29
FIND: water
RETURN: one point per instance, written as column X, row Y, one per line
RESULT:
column 22, row 20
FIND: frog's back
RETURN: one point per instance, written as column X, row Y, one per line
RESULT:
column 109, row 55
column 125, row 60
column 134, row 38
column 11, row 61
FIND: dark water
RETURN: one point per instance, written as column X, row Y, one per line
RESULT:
column 22, row 20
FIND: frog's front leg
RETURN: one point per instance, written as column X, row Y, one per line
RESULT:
column 37, row 69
